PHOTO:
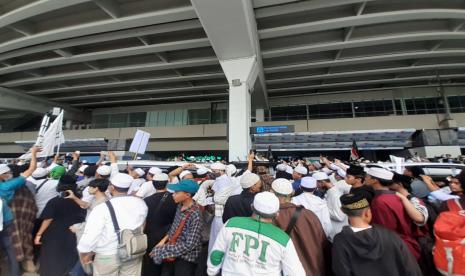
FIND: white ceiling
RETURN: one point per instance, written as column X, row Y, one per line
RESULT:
column 105, row 53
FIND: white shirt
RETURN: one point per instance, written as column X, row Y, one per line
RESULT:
column 338, row 218
column 242, row 250
column 318, row 206
column 99, row 234
column 135, row 185
column 146, row 189
column 45, row 193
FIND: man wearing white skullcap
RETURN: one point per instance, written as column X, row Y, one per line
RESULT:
column 331, row 194
column 299, row 172
column 223, row 188
column 45, row 189
column 387, row 208
column 304, row 227
column 138, row 175
column 314, row 203
column 240, row 205
column 253, row 245
column 99, row 234
column 103, row 171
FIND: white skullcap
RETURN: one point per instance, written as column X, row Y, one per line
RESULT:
column 122, row 180
column 380, row 173
column 301, row 169
column 289, row 169
column 231, row 169
column 4, row 168
column 266, row 203
column 281, row 167
column 39, row 172
column 161, row 177
column 218, row 166
column 341, row 173
column 282, row 186
column 326, row 170
column 104, row 170
column 248, row 180
column 140, row 172
column 183, row 174
column 320, row 176
column 202, row 171
column 155, row 170
column 81, row 169
column 308, row 182
column 317, row 165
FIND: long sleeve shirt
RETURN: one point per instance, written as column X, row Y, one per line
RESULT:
column 189, row 244
column 246, row 246
column 338, row 218
column 7, row 191
column 99, row 234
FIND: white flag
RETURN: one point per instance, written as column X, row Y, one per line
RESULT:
column 53, row 137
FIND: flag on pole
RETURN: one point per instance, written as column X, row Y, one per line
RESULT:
column 354, row 154
column 53, row 137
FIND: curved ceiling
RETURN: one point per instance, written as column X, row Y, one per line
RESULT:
column 103, row 53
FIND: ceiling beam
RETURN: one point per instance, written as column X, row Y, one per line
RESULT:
column 141, row 92
column 34, row 9
column 362, row 20
column 363, row 42
column 114, row 71
column 103, row 37
column 302, row 6
column 133, row 21
column 160, row 80
column 450, row 84
column 13, row 100
column 151, row 99
column 359, row 83
column 265, row 3
column 110, row 7
column 405, row 69
column 109, row 54
column 363, row 59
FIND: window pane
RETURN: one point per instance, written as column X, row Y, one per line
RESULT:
column 286, row 113
column 333, row 110
column 161, row 122
column 170, row 117
column 373, row 108
column 137, row 119
column 199, row 116
column 100, row 121
column 118, row 120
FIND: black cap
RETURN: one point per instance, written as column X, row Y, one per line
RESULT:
column 354, row 201
column 67, row 180
column 355, row 170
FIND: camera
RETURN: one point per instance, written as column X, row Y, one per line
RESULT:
column 63, row 194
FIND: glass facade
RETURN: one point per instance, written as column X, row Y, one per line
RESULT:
column 219, row 115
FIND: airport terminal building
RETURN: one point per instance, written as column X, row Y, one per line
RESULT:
column 220, row 77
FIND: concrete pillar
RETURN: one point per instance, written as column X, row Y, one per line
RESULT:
column 259, row 115
column 241, row 75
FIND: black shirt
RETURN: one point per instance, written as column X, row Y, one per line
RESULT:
column 238, row 205
column 159, row 219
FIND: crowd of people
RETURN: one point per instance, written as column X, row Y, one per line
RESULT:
column 297, row 218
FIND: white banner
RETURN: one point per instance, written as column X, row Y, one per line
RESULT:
column 140, row 142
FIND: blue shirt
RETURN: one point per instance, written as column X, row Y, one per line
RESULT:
column 7, row 191
column 296, row 184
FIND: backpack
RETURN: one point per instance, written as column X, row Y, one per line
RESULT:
column 449, row 249
column 132, row 244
